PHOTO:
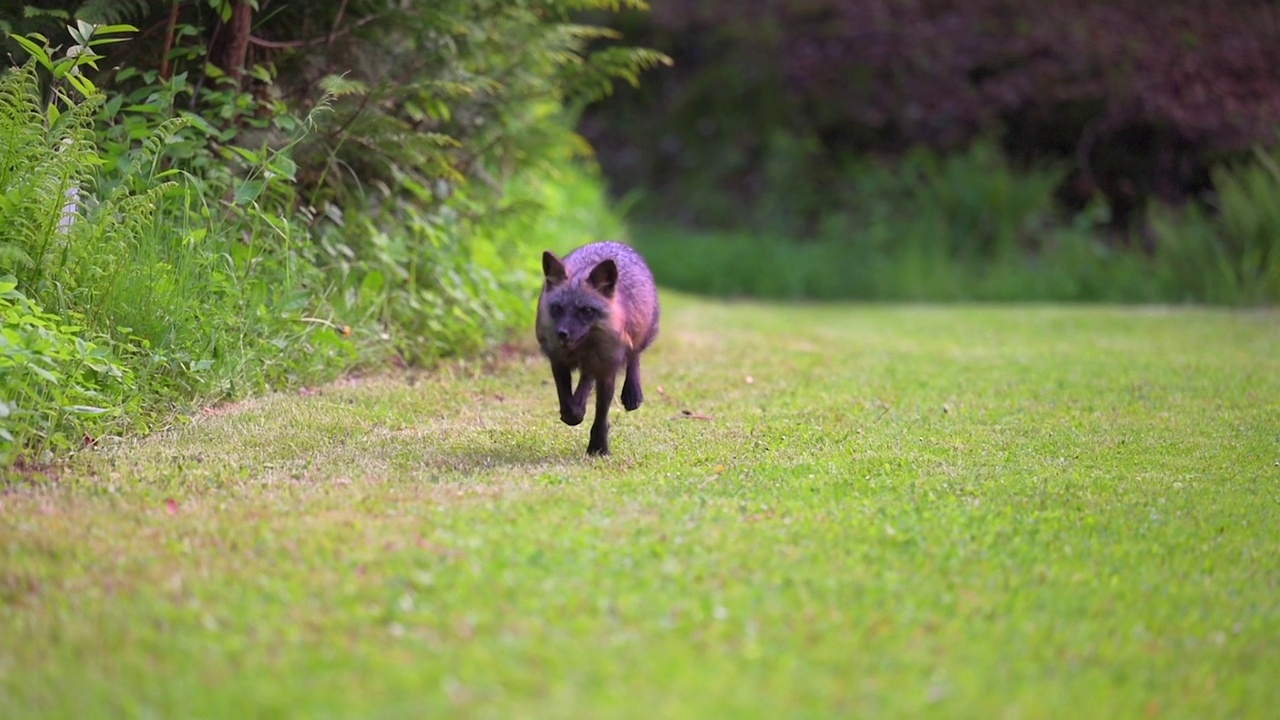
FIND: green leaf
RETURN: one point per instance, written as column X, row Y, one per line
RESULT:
column 108, row 41
column 39, row 53
column 284, row 166
column 248, row 191
column 112, row 106
column 200, row 123
column 81, row 83
column 31, row 11
column 86, row 31
column 44, row 374
column 118, row 28
column 250, row 156
column 372, row 284
column 63, row 66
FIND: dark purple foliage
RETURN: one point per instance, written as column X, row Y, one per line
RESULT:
column 1139, row 96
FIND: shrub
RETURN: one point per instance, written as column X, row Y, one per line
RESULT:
column 47, row 160
column 61, row 387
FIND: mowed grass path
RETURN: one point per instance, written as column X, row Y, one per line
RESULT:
column 880, row 511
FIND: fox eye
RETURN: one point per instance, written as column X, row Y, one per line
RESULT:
column 586, row 313
column 556, row 310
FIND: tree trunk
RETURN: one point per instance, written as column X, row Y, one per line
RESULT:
column 233, row 45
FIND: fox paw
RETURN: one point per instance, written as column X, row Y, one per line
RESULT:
column 572, row 416
column 599, row 443
column 631, row 397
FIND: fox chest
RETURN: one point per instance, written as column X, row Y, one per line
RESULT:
column 593, row 358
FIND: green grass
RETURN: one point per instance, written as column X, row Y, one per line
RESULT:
column 966, row 512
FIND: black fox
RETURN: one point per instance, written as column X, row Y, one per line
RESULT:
column 598, row 311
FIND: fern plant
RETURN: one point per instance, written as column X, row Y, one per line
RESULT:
column 46, row 165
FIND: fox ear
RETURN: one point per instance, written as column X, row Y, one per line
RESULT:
column 553, row 268
column 604, row 277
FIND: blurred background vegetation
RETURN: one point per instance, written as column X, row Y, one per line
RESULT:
column 203, row 199
column 954, row 149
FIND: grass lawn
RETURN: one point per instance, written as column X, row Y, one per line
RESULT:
column 819, row 511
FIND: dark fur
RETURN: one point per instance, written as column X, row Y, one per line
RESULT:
column 597, row 312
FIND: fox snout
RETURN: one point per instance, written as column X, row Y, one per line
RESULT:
column 572, row 335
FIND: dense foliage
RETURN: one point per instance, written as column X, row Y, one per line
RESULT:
column 206, row 199
column 1142, row 98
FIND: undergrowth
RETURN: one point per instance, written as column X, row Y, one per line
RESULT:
column 135, row 288
column 179, row 237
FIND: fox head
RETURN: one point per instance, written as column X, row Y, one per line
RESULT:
column 572, row 307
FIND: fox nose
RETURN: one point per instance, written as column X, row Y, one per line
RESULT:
column 562, row 334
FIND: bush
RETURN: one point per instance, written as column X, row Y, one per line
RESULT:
column 444, row 282
column 219, row 229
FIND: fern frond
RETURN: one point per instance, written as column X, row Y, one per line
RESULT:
column 21, row 122
column 341, row 86
column 586, row 33
column 153, row 147
column 591, row 78
column 573, row 6
column 109, row 12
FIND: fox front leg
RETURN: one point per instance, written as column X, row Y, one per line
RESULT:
column 578, row 405
column 632, row 394
column 599, row 443
column 564, row 391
